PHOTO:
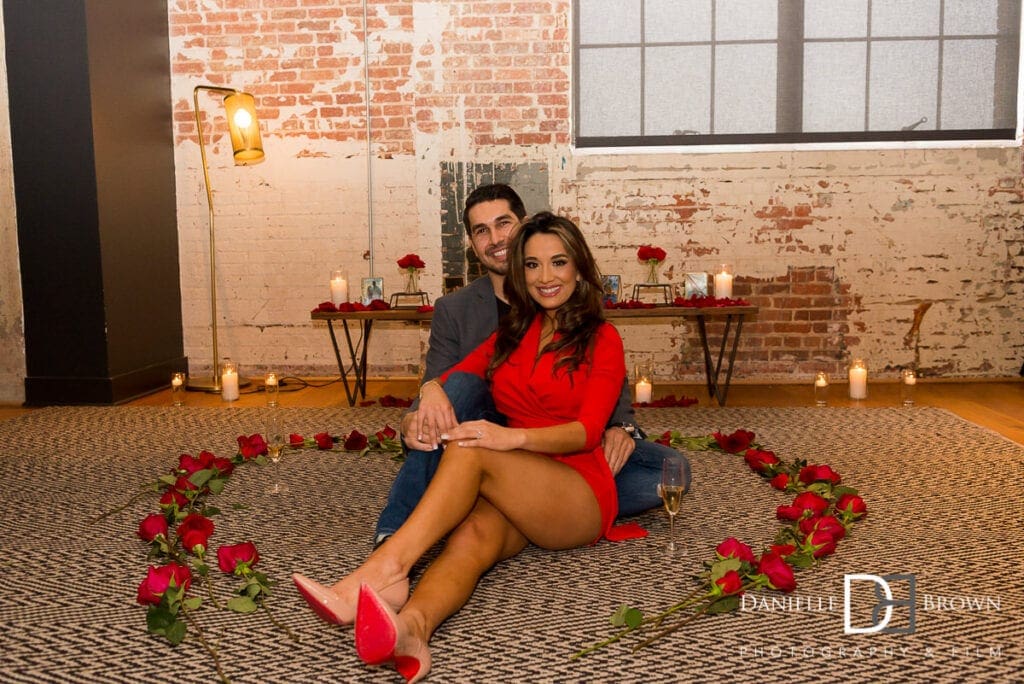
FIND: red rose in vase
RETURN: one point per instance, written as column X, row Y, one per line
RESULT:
column 649, row 253
column 411, row 261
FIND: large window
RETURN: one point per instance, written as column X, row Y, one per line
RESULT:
column 699, row 72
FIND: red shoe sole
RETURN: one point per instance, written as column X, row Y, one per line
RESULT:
column 320, row 609
column 375, row 631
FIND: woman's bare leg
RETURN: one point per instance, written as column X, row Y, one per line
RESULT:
column 516, row 483
column 483, row 539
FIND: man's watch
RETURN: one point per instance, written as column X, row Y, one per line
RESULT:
column 634, row 430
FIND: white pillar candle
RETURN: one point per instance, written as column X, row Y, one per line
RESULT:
column 229, row 384
column 723, row 285
column 858, row 380
column 339, row 289
column 643, row 392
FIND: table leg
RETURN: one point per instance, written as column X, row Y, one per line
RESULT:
column 341, row 364
column 358, row 359
column 713, row 369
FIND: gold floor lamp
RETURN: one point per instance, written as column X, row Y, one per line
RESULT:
column 247, row 148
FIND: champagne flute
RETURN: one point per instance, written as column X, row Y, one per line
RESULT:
column 672, row 486
column 275, row 445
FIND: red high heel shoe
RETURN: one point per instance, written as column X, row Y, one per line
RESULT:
column 332, row 607
column 381, row 637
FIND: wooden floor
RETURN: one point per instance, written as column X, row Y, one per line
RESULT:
column 996, row 405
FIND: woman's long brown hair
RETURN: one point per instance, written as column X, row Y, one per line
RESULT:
column 576, row 321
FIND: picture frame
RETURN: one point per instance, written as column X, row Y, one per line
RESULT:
column 372, row 288
column 695, row 285
column 612, row 288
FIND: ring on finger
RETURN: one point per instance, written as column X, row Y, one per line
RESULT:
column 479, row 434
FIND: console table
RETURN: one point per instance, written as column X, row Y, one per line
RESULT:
column 718, row 388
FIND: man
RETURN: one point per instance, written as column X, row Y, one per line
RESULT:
column 464, row 319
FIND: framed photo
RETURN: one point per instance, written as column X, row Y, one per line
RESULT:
column 695, row 285
column 612, row 289
column 453, row 283
column 373, row 288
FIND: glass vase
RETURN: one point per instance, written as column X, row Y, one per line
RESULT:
column 412, row 284
column 652, row 271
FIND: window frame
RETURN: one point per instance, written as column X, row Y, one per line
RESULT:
column 902, row 139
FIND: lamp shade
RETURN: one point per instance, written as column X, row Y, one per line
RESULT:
column 246, row 144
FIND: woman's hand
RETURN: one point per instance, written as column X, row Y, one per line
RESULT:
column 483, row 433
column 434, row 416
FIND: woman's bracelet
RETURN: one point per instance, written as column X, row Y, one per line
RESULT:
column 428, row 382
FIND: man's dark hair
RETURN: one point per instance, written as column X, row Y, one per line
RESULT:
column 489, row 193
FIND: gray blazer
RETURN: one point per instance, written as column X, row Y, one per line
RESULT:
column 464, row 319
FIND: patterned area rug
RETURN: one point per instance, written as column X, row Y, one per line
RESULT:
column 945, row 507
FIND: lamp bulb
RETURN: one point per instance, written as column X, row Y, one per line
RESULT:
column 243, row 119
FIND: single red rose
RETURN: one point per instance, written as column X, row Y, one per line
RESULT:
column 825, row 523
column 323, row 440
column 730, row 583
column 782, row 550
column 378, row 305
column 780, row 481
column 666, row 438
column 805, row 503
column 778, row 572
column 296, row 439
column 252, row 446
column 152, row 526
column 411, row 261
column 393, row 401
column 736, row 442
column 160, row 579
column 821, row 543
column 424, row 308
column 228, row 557
column 852, row 505
column 183, row 484
column 818, row 473
column 356, row 441
column 649, row 253
column 325, row 307
column 192, row 464
column 171, row 497
column 224, row 466
column 388, row 433
column 195, row 530
column 760, row 461
column 734, row 548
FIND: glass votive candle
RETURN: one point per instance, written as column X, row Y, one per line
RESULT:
column 723, row 281
column 339, row 287
column 644, row 377
column 858, row 379
column 908, row 383
column 271, row 387
column 821, row 388
column 228, row 380
column 179, row 383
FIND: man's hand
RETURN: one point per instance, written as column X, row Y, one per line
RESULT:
column 618, row 446
column 422, row 428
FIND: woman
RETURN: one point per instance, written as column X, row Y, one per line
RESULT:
column 556, row 370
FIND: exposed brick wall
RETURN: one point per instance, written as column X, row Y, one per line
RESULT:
column 464, row 85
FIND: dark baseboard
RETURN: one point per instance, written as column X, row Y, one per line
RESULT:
column 72, row 391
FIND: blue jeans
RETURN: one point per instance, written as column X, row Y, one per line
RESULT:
column 637, row 482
